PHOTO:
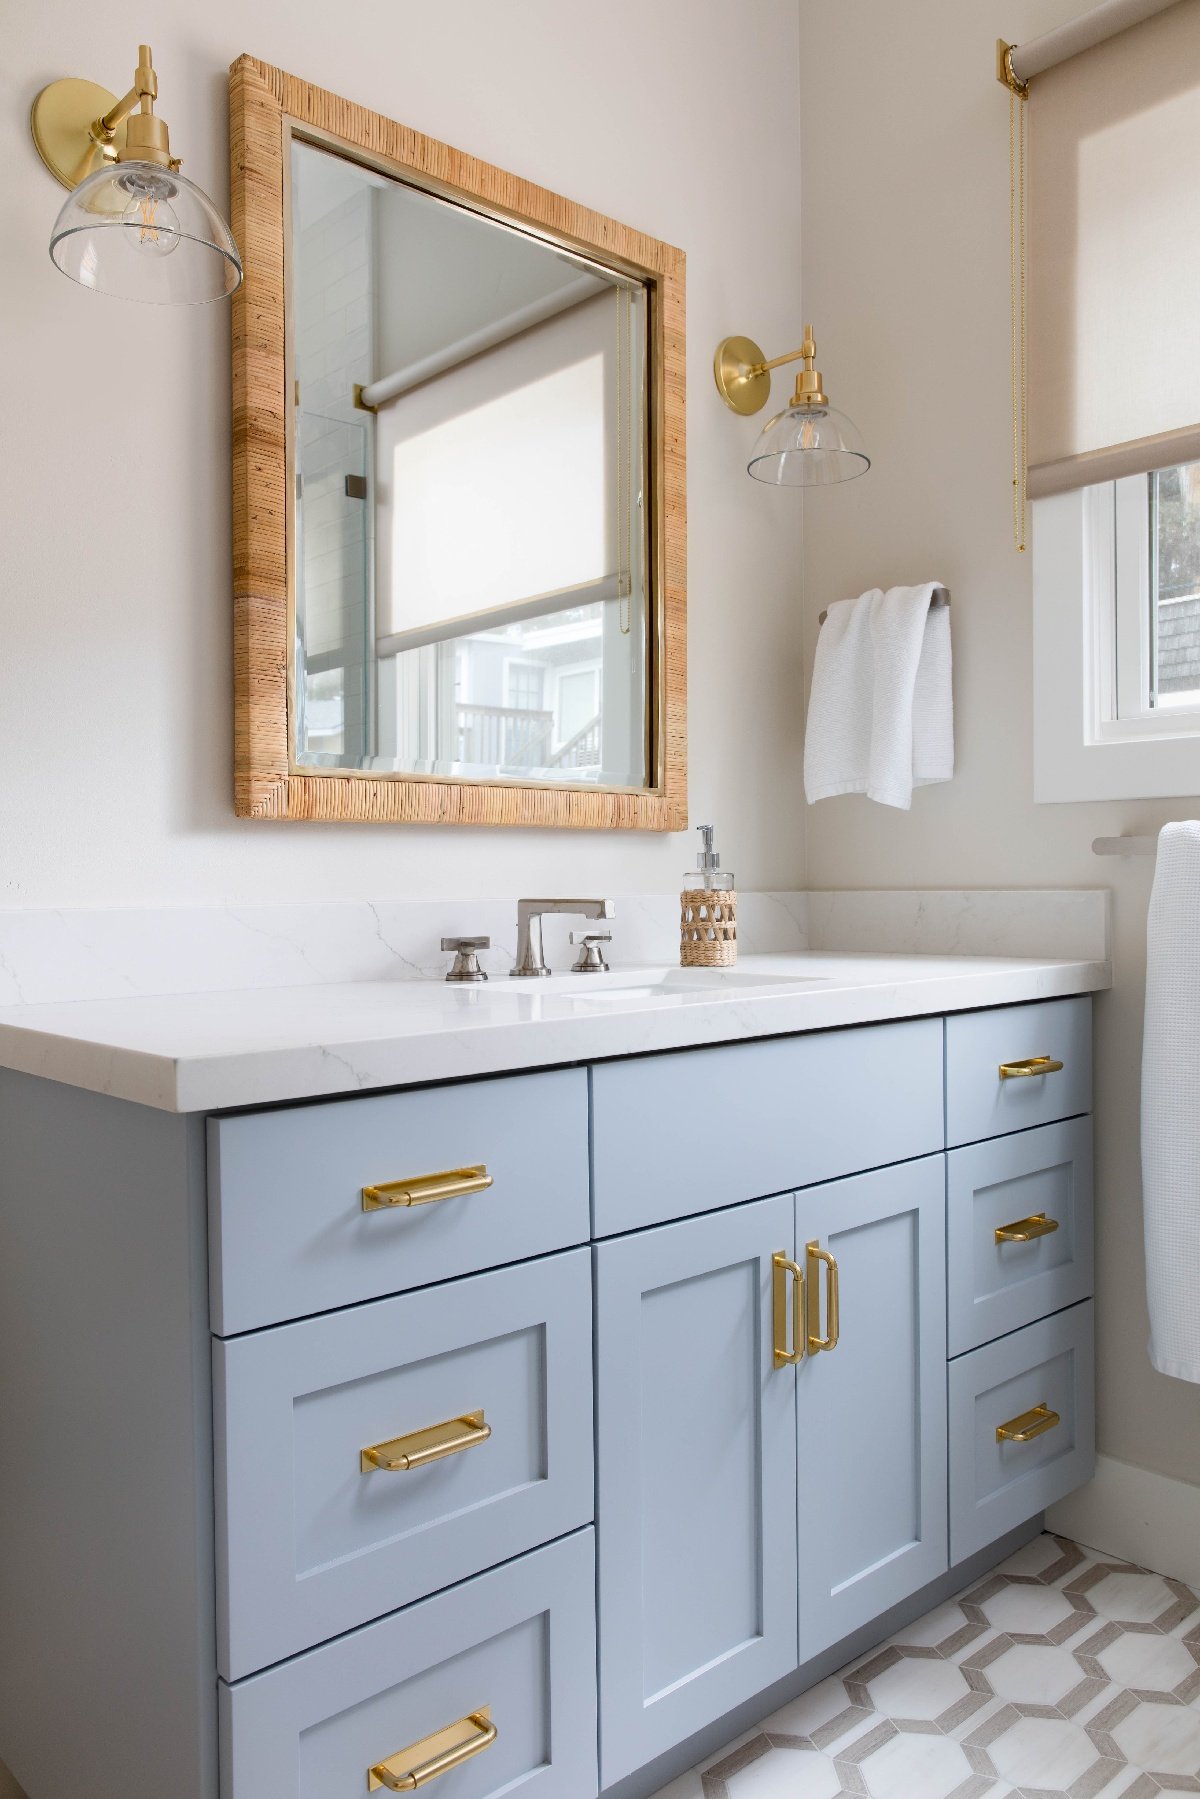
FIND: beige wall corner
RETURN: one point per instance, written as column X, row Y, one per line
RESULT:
column 904, row 148
column 8, row 1786
column 1134, row 1516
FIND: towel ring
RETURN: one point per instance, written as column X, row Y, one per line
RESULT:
column 939, row 597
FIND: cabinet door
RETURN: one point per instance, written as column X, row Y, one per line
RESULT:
column 872, row 1411
column 696, row 1472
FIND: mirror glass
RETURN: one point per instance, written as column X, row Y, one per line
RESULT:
column 470, row 455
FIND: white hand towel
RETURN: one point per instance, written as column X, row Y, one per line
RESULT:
column 881, row 715
column 1170, row 1108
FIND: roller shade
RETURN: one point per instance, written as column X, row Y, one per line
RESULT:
column 499, row 493
column 1114, row 256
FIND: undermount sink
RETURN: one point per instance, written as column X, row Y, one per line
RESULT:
column 618, row 985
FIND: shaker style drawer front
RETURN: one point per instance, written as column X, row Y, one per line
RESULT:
column 1022, row 1427
column 1017, row 1066
column 701, row 1129
column 1019, row 1230
column 372, row 1456
column 325, row 1205
column 493, row 1683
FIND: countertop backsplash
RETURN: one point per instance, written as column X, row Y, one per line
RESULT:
column 120, row 952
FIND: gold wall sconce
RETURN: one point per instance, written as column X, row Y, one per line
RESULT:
column 133, row 225
column 809, row 443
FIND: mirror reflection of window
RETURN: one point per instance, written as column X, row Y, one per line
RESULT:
column 480, row 588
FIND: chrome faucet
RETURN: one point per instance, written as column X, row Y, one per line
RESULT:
column 530, row 957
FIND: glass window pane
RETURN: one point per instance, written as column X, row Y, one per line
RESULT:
column 1175, row 586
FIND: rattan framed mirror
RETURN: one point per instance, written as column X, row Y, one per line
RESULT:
column 459, row 489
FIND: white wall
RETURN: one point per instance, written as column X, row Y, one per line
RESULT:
column 115, row 658
column 905, row 156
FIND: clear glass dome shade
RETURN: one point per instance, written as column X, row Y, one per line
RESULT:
column 142, row 232
column 808, row 446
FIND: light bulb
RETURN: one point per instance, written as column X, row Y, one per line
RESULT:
column 152, row 227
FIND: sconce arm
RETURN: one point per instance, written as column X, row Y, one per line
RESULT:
column 743, row 374
column 143, row 93
column 776, row 362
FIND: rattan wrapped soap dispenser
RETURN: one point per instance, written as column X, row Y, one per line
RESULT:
column 707, row 912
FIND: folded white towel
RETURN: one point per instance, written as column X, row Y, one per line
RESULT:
column 881, row 713
column 1170, row 1113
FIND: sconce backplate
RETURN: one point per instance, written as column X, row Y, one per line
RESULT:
column 61, row 119
column 741, row 389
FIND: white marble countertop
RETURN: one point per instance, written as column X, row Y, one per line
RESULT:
column 199, row 1052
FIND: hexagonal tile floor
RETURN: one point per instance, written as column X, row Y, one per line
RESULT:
column 1061, row 1675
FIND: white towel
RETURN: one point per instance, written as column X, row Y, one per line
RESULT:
column 881, row 715
column 1170, row 1105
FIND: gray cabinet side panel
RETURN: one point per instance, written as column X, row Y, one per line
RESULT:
column 106, row 1586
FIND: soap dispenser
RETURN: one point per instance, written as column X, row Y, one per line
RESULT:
column 708, row 911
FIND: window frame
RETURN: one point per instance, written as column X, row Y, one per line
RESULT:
column 1085, row 543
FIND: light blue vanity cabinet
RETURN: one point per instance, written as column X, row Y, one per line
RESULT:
column 871, row 1469
column 684, row 1133
column 1020, row 1263
column 696, row 1458
column 753, row 1509
column 330, row 1482
column 309, row 1542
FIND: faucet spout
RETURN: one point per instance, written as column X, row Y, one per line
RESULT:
column 531, row 959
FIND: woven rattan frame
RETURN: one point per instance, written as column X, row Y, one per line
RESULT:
column 707, row 927
column 263, row 103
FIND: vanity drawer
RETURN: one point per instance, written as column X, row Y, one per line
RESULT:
column 289, row 1232
column 981, row 1102
column 1035, row 1189
column 519, row 1641
column 996, row 1484
column 689, row 1132
column 313, row 1537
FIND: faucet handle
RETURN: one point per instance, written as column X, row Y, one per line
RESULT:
column 590, row 959
column 466, row 958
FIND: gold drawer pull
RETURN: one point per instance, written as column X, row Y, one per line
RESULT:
column 422, row 1762
column 1026, row 1229
column 783, row 1267
column 425, row 1189
column 1028, row 1426
column 420, row 1447
column 1029, row 1065
column 816, row 1341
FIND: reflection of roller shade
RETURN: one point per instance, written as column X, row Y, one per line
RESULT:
column 497, row 483
column 1114, row 256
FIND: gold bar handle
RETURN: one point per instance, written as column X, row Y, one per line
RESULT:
column 434, row 1755
column 1026, row 1229
column 1029, row 1066
column 426, row 1189
column 1028, row 1426
column 421, row 1447
column 787, row 1274
column 816, row 1341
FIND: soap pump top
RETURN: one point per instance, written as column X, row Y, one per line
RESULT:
column 708, row 873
